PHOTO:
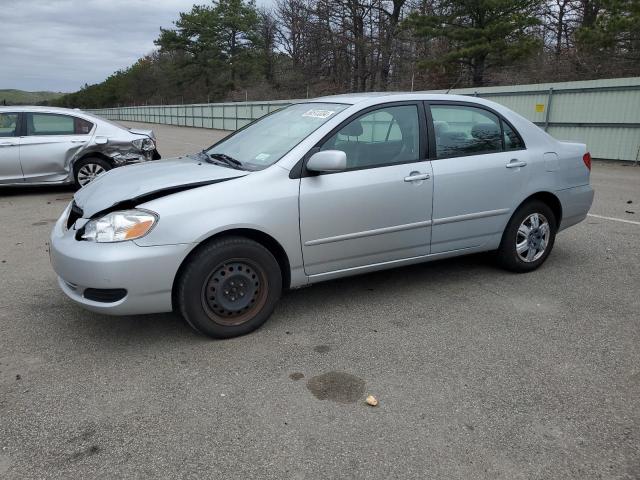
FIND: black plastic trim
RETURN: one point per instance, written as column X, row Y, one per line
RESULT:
column 104, row 295
column 74, row 214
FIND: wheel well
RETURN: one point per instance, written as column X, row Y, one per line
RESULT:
column 100, row 155
column 262, row 238
column 551, row 201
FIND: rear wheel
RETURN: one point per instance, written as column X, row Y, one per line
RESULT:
column 88, row 169
column 229, row 288
column 529, row 237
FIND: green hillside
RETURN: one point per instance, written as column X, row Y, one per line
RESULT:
column 20, row 97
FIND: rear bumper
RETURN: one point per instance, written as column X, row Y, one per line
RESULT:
column 146, row 273
column 576, row 202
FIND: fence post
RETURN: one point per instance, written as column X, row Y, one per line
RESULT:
column 547, row 115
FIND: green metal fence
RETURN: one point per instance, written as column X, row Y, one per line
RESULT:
column 604, row 114
column 220, row 116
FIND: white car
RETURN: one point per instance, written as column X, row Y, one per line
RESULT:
column 47, row 145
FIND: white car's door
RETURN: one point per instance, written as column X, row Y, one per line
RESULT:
column 10, row 171
column 479, row 173
column 379, row 209
column 51, row 142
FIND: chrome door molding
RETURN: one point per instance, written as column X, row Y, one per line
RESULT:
column 368, row 233
column 346, row 272
column 470, row 216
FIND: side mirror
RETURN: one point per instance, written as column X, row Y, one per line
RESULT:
column 328, row 161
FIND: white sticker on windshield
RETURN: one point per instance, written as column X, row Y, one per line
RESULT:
column 318, row 113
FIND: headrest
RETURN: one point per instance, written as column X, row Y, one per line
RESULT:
column 440, row 127
column 354, row 129
column 452, row 138
column 485, row 131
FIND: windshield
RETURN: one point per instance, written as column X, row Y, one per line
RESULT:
column 267, row 140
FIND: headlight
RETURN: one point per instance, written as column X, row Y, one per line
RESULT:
column 120, row 226
column 144, row 144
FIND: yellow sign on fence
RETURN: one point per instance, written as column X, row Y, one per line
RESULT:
column 539, row 107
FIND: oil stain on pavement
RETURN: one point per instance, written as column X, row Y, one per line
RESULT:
column 339, row 387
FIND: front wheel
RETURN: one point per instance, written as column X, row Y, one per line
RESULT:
column 528, row 238
column 229, row 287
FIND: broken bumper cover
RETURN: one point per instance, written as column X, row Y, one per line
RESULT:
column 145, row 274
column 129, row 158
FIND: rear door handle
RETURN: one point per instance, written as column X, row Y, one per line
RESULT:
column 515, row 163
column 7, row 144
column 417, row 176
column 77, row 141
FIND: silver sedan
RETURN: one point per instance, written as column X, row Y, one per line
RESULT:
column 46, row 145
column 324, row 189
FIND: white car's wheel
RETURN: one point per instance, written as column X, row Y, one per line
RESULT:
column 229, row 287
column 88, row 169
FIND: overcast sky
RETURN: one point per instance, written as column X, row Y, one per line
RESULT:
column 60, row 45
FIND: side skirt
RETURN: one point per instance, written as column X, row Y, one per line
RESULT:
column 321, row 277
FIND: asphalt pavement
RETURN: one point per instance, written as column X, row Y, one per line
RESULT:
column 479, row 373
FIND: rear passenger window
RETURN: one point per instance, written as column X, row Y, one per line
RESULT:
column 49, row 124
column 8, row 124
column 56, row 124
column 462, row 130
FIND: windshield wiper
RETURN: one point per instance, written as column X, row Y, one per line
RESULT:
column 226, row 159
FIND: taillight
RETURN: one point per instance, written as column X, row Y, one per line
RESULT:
column 586, row 158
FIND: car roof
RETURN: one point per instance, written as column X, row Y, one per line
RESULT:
column 373, row 97
column 39, row 108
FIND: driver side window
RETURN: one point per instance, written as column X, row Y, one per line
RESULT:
column 382, row 137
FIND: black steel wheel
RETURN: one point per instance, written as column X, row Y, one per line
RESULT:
column 229, row 287
column 235, row 291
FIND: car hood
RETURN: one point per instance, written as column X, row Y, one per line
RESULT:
column 126, row 187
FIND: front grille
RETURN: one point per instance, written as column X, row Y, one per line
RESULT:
column 75, row 213
column 105, row 295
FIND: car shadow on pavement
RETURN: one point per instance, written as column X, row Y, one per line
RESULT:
column 393, row 282
column 36, row 190
column 350, row 292
column 132, row 330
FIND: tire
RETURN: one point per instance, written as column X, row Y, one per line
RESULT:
column 87, row 169
column 229, row 287
column 535, row 243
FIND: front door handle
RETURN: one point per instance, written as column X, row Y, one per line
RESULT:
column 515, row 163
column 7, row 144
column 416, row 177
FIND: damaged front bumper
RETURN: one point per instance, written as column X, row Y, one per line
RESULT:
column 121, row 278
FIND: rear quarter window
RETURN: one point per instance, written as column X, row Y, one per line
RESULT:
column 82, row 126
